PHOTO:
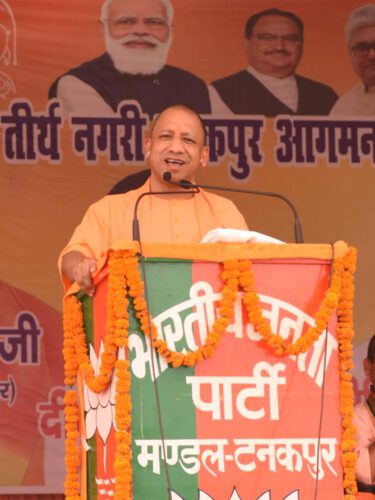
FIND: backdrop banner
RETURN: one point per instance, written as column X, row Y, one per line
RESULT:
column 73, row 117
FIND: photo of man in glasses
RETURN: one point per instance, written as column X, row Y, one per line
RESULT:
column 269, row 85
column 360, row 37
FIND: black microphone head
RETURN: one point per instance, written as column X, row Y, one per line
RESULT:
column 184, row 183
column 167, row 176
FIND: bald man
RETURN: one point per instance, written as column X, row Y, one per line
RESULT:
column 177, row 144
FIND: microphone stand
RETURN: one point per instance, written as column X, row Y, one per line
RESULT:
column 298, row 235
column 137, row 237
column 136, row 231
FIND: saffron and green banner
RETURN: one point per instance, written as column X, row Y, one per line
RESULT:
column 244, row 424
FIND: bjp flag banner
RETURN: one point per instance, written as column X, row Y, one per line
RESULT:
column 211, row 410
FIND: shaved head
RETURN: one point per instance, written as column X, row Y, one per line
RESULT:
column 182, row 107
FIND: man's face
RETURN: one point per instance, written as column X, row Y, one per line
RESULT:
column 364, row 64
column 138, row 17
column 177, row 146
column 275, row 46
column 137, row 35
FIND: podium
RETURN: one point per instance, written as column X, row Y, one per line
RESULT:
column 231, row 377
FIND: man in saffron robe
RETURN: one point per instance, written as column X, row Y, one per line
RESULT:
column 177, row 145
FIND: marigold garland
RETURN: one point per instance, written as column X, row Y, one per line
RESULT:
column 125, row 279
column 76, row 358
column 71, row 484
column 345, row 334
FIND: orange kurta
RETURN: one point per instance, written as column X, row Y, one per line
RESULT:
column 161, row 219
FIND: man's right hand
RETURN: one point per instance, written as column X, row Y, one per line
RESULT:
column 82, row 274
column 79, row 268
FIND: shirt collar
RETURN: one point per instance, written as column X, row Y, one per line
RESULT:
column 269, row 80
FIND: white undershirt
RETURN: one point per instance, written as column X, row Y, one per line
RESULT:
column 284, row 89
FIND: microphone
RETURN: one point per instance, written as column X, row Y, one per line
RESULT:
column 298, row 235
column 167, row 176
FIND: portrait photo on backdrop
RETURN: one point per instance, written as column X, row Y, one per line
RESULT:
column 269, row 85
column 360, row 39
column 137, row 36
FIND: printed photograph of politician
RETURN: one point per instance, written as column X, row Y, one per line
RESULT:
column 138, row 37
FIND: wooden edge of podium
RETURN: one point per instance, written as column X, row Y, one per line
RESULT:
column 218, row 252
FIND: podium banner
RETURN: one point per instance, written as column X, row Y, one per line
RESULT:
column 245, row 423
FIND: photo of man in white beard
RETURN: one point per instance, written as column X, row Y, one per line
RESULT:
column 137, row 37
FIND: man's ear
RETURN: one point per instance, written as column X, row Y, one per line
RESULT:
column 147, row 146
column 367, row 367
column 204, row 157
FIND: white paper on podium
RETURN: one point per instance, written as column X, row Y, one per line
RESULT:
column 237, row 236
